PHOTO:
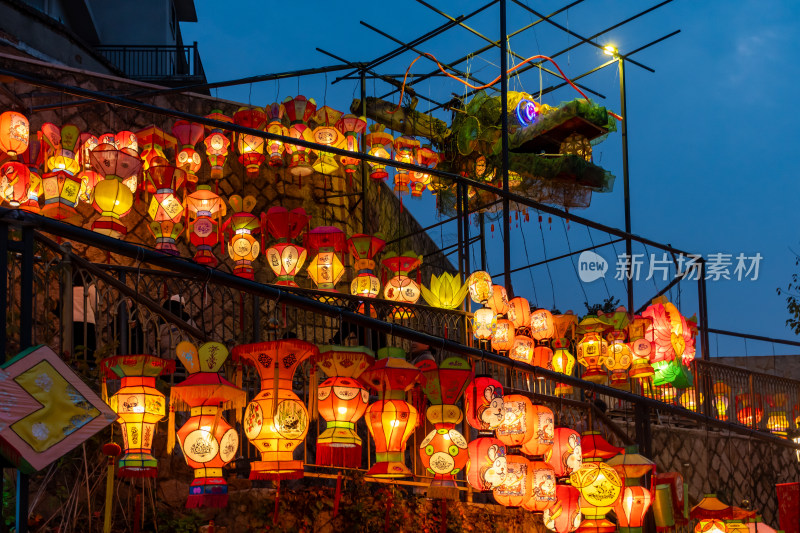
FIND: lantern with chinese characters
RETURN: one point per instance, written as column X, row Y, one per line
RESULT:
column 566, row 454
column 542, row 325
column 519, row 312
column 542, row 437
column 593, row 348
column 379, row 144
column 563, row 362
column 33, row 158
column 444, row 450
column 404, row 148
column 749, row 409
column 14, row 133
column 484, row 323
column 631, row 508
column 445, row 292
column 486, row 468
column 204, row 212
column 720, row 401
column 483, row 402
column 284, row 257
column 341, row 401
column 275, row 148
column 522, row 349
column 391, row 420
column 543, row 487
column 251, row 147
column 326, row 268
column 165, row 208
column 618, row 359
column 89, row 178
column 504, row 335
column 299, row 110
column 351, row 126
column 153, row 141
column 187, row 158
column 207, row 440
column 15, row 180
column 139, row 406
column 420, row 180
column 520, row 421
column 480, row 287
column 498, row 300
column 364, row 248
column 600, row 487
column 112, row 198
column 564, row 516
column 240, row 230
column 326, row 133
column 275, row 421
column 401, row 288
column 516, row 487
column 217, row 144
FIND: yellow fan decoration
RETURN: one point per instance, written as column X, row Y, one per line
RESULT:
column 445, row 292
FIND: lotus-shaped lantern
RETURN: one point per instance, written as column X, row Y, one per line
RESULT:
column 445, row 292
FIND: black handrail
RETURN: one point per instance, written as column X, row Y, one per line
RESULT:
column 156, row 62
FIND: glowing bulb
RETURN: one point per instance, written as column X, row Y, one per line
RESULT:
column 394, row 423
column 610, row 50
column 138, row 409
column 342, row 410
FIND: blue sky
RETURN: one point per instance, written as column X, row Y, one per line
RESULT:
column 712, row 139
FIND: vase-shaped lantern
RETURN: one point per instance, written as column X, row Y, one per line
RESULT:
column 165, row 209
column 275, row 148
column 139, row 406
column 341, row 401
column 593, row 349
column 207, row 440
column 444, row 450
column 420, row 180
column 619, row 359
column 391, row 420
column 401, row 288
column 600, row 487
column 204, row 212
column 299, row 111
column 351, row 126
column 187, row 158
column 276, row 421
column 251, row 147
column 284, row 257
column 217, row 144
column 326, row 268
column 153, row 141
column 364, row 248
column 405, row 148
column 379, row 144
column 564, row 516
column 112, row 198
column 480, row 287
column 326, row 133
column 240, row 230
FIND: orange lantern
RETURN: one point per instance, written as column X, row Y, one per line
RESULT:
column 619, row 359
column 483, row 401
column 240, row 229
column 420, row 180
column 341, row 401
column 351, row 126
column 631, row 509
column 498, row 301
column 364, row 248
column 519, row 312
column 275, row 148
column 154, row 141
column 543, row 487
column 566, row 454
column 204, row 212
column 391, row 420
column 520, row 420
column 480, row 287
column 543, row 357
column 379, row 144
column 325, row 269
column 112, row 198
column 165, row 208
column 401, row 288
column 217, row 144
column 251, row 147
column 600, row 487
column 522, row 350
column 484, row 324
column 326, row 133
column 299, row 110
column 487, row 466
column 543, row 435
column 563, row 362
column 188, row 135
column 284, row 257
column 404, row 149
column 14, row 133
column 503, row 338
column 593, row 349
column 275, row 421
column 710, row 525
column 139, row 406
column 778, row 420
column 207, row 440
column 542, row 325
column 564, row 516
column 641, row 348
column 516, row 487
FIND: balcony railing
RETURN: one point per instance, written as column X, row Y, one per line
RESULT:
column 177, row 64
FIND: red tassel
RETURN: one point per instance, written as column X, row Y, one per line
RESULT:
column 338, row 456
column 337, row 495
column 443, row 523
column 277, row 502
column 401, row 203
column 388, row 509
column 137, row 513
column 241, row 312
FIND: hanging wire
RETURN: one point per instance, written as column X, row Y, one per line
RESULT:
column 530, row 270
column 544, row 251
column 608, row 293
column 572, row 261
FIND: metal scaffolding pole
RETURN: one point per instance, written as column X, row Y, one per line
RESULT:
column 504, row 148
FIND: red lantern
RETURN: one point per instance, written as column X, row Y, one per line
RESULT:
column 486, row 468
column 519, row 312
column 204, row 212
column 188, row 135
column 14, row 133
column 351, row 126
column 516, row 487
column 566, row 455
column 543, row 487
column 564, row 516
column 749, row 409
column 251, row 147
column 483, row 402
column 33, row 158
column 543, row 357
column 275, row 148
column 276, row 421
column 15, row 181
column 165, row 208
column 596, row 448
column 300, row 110
column 391, row 420
column 631, row 509
column 217, row 144
column 404, row 148
column 284, row 257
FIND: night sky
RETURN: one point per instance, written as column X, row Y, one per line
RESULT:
column 713, row 142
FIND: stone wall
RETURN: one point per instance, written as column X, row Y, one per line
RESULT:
column 787, row 366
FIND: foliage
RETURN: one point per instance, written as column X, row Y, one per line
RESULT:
column 792, row 294
column 608, row 306
column 169, row 523
column 8, row 501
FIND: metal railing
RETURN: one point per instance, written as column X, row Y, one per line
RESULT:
column 156, row 62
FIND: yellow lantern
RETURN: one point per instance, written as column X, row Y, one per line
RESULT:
column 618, row 359
column 446, row 291
column 484, row 323
column 325, row 269
column 275, row 148
column 593, row 349
column 480, row 287
column 689, row 399
column 112, row 198
column 721, row 402
column 404, row 149
column 241, row 228
column 710, row 525
column 326, row 133
column 563, row 362
column 379, row 144
column 600, row 487
column 640, row 348
column 154, row 141
column 139, row 406
column 364, row 248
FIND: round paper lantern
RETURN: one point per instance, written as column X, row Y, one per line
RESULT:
column 204, row 212
column 498, row 301
column 240, row 230
column 564, row 516
column 379, row 144
column 543, row 487
column 631, row 509
column 565, row 456
column 519, row 312
column 486, row 469
column 112, row 198
column 543, row 436
column 720, row 400
column 522, row 350
column 275, row 421
column 503, row 338
column 484, row 323
column 483, row 401
column 543, row 357
column 480, row 287
column 14, row 133
column 520, row 422
column 139, row 406
column 542, row 325
column 217, row 144
column 516, row 487
column 563, row 362
column 600, row 487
